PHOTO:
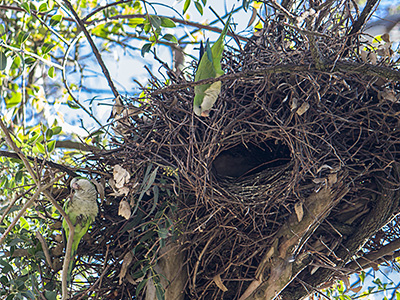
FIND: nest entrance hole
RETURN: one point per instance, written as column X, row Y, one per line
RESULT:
column 243, row 160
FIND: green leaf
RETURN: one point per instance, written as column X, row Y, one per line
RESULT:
column 167, row 23
column 29, row 61
column 16, row 62
column 146, row 48
column 43, row 7
column 22, row 37
column 186, row 5
column 50, row 295
column 51, row 72
column 170, row 37
column 26, row 7
column 18, row 176
column 6, row 266
column 204, row 2
column 141, row 286
column 155, row 21
column 163, row 233
column 41, row 148
column 15, row 99
column 51, row 146
column 56, row 130
column 47, row 47
column 3, row 61
column 73, row 105
column 199, row 7
column 160, row 292
column 55, row 20
column 2, row 29
column 49, row 134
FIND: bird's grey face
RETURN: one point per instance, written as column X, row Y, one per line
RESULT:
column 80, row 184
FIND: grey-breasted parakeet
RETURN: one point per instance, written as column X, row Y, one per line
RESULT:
column 209, row 67
column 81, row 209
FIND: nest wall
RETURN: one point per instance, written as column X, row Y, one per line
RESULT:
column 303, row 126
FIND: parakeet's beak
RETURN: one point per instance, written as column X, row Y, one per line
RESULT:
column 75, row 186
column 205, row 113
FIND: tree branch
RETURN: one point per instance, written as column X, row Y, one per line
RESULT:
column 93, row 46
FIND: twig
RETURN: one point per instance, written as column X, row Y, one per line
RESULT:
column 94, row 48
column 45, row 249
column 11, row 205
column 39, row 190
column 46, row 162
column 352, row 68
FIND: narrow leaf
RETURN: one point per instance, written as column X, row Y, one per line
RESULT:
column 186, row 5
column 3, row 61
column 199, row 7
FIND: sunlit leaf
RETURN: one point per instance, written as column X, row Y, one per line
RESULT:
column 46, row 48
column 55, row 20
column 51, row 146
column 51, row 72
column 26, row 7
column 199, row 7
column 22, row 37
column 43, row 7
column 56, row 130
column 16, row 98
column 186, row 5
column 167, row 22
column 41, row 148
column 73, row 105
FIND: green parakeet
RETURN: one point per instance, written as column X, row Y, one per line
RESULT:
column 81, row 209
column 209, row 67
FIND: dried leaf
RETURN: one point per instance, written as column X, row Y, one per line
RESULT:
column 303, row 108
column 298, row 208
column 253, row 17
column 356, row 289
column 118, row 106
column 124, row 209
column 332, row 179
column 319, row 180
column 218, row 282
column 125, row 264
column 121, row 176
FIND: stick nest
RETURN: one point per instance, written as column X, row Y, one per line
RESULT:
column 222, row 186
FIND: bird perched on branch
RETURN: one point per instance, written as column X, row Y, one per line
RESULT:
column 81, row 209
column 209, row 67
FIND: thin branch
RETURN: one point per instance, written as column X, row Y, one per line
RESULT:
column 11, row 205
column 46, row 162
column 94, row 48
column 39, row 190
column 45, row 249
column 363, row 17
column 371, row 258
